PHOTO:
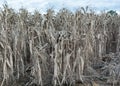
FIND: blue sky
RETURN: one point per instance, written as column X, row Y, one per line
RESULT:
column 43, row 5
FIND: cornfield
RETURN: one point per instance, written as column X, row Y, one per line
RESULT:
column 59, row 49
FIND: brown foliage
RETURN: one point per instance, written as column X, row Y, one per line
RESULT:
column 57, row 49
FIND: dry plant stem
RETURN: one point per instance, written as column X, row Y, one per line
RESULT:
column 58, row 49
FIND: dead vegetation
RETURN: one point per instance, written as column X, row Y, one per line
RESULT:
column 63, row 49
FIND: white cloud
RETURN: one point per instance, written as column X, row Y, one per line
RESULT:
column 57, row 4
